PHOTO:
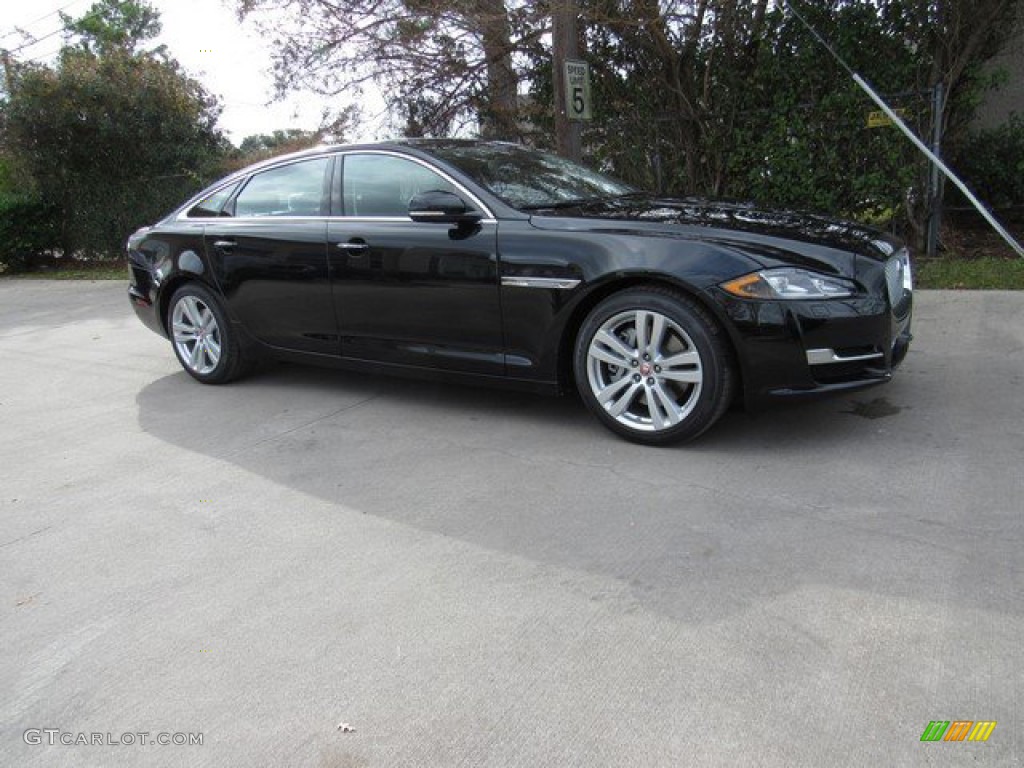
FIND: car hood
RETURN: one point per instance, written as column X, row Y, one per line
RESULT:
column 770, row 237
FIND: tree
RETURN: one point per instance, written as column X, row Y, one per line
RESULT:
column 111, row 137
column 730, row 98
column 279, row 141
column 110, row 26
column 444, row 64
column 739, row 99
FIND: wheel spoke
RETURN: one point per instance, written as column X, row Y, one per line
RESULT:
column 690, row 357
column 640, row 323
column 693, row 376
column 614, row 345
column 207, row 319
column 664, row 410
column 191, row 307
column 605, row 395
column 610, row 356
column 619, row 406
column 183, row 333
column 683, row 367
column 212, row 350
column 657, row 335
column 195, row 359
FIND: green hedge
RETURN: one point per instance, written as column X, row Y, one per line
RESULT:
column 992, row 164
column 28, row 229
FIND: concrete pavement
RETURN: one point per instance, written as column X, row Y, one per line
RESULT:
column 483, row 578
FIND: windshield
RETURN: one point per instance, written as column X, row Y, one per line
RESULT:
column 525, row 178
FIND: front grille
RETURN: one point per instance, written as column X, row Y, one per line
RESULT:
column 897, row 280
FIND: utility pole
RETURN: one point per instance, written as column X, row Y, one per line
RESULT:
column 564, row 45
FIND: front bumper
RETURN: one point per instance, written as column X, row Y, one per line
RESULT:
column 793, row 349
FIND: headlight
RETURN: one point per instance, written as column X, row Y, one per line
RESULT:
column 789, row 283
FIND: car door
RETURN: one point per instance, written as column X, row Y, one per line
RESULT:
column 269, row 255
column 410, row 293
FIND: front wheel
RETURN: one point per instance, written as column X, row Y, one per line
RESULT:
column 653, row 366
column 203, row 338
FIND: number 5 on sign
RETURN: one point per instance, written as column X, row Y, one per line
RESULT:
column 577, row 90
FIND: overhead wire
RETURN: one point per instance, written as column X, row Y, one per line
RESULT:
column 41, row 18
column 37, row 40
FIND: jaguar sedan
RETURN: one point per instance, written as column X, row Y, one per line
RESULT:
column 492, row 262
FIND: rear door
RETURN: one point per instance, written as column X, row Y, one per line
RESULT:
column 269, row 254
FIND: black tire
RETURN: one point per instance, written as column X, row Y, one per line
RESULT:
column 199, row 327
column 644, row 400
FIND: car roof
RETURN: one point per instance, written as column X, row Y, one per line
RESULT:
column 401, row 143
column 416, row 145
column 423, row 145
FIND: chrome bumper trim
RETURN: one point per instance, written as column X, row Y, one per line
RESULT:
column 828, row 356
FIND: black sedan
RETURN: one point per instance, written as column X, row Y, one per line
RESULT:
column 493, row 262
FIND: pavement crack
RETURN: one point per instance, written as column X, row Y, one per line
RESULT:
column 307, row 424
column 25, row 537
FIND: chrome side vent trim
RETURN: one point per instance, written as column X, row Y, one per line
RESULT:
column 558, row 283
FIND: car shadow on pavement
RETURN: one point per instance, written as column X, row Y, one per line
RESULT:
column 757, row 507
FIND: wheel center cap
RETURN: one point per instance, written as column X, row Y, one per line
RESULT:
column 645, row 369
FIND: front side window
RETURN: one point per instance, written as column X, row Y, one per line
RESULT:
column 382, row 185
column 296, row 189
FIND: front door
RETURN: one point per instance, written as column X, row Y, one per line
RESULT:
column 405, row 292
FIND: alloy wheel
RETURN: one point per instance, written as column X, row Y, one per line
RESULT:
column 644, row 370
column 197, row 335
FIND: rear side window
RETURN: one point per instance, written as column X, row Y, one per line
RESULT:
column 212, row 205
column 290, row 190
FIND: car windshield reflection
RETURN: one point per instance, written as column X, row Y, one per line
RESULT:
column 527, row 179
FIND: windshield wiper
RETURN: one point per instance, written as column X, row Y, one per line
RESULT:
column 623, row 196
column 560, row 204
column 577, row 202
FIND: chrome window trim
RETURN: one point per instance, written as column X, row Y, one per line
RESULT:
column 193, row 202
column 244, row 183
column 489, row 216
column 358, row 219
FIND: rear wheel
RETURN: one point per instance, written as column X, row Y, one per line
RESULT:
column 653, row 366
column 204, row 340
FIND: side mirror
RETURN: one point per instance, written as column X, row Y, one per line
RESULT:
column 442, row 208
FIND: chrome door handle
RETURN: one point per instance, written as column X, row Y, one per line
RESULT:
column 353, row 247
column 224, row 245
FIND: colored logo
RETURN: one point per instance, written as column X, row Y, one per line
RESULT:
column 958, row 730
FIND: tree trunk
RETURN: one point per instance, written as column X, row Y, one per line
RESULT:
column 500, row 111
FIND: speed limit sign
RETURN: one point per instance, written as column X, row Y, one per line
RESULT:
column 577, row 90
